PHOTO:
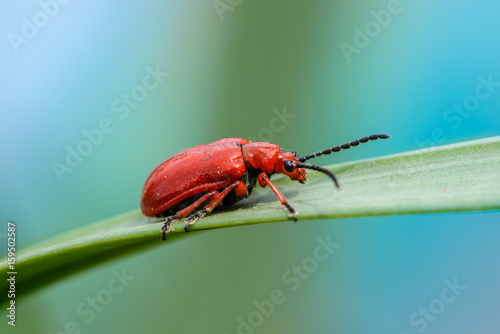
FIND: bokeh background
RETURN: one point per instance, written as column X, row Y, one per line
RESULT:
column 233, row 66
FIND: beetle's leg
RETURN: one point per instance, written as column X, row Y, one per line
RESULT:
column 182, row 213
column 263, row 181
column 167, row 228
column 193, row 218
column 194, row 205
column 239, row 187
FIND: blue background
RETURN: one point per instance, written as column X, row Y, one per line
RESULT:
column 227, row 72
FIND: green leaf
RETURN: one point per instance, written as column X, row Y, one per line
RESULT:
column 460, row 177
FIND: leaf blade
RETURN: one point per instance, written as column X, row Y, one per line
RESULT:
column 459, row 177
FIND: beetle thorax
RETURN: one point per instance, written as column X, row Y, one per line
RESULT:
column 261, row 156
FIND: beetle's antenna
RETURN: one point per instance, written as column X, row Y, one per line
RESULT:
column 345, row 146
column 319, row 169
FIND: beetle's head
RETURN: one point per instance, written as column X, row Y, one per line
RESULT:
column 289, row 163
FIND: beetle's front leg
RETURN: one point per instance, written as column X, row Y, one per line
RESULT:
column 264, row 180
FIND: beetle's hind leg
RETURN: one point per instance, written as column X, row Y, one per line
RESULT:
column 182, row 213
column 167, row 228
column 193, row 218
column 216, row 199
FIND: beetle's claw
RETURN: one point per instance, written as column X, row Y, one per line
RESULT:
column 292, row 213
column 193, row 218
column 167, row 226
column 188, row 223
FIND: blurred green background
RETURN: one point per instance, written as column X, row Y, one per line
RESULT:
column 339, row 70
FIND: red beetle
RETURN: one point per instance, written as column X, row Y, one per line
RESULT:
column 222, row 173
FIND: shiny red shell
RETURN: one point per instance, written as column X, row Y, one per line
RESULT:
column 192, row 172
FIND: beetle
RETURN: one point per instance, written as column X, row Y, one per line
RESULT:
column 204, row 177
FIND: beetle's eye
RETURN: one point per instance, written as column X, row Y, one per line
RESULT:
column 289, row 167
column 294, row 154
